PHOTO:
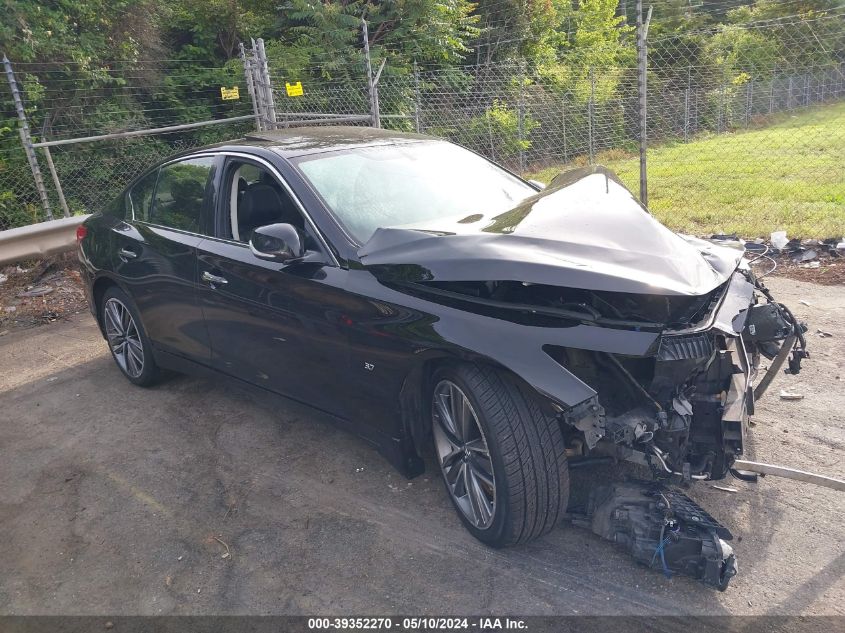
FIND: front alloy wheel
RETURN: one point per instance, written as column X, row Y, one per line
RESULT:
column 463, row 454
column 500, row 451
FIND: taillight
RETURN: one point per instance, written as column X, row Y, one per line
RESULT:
column 81, row 232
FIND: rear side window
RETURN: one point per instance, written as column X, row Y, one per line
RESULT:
column 141, row 196
column 180, row 194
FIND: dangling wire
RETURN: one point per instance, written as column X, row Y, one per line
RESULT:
column 660, row 549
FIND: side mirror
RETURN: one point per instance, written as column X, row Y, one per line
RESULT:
column 276, row 243
column 538, row 184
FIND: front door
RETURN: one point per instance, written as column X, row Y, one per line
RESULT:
column 274, row 325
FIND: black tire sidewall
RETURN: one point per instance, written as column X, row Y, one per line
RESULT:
column 150, row 372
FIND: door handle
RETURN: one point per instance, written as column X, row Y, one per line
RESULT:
column 213, row 280
column 125, row 254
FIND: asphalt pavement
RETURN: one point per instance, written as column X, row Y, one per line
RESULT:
column 200, row 497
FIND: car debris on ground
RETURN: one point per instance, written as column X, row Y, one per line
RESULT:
column 724, row 488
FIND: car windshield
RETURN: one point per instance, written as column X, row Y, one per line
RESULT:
column 393, row 185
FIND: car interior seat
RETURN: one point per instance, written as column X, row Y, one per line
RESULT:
column 261, row 204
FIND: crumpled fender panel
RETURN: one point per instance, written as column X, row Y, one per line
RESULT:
column 514, row 346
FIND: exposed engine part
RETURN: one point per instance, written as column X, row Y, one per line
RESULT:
column 686, row 475
column 633, row 382
column 795, row 360
column 744, row 475
column 632, row 427
column 685, row 347
column 682, row 407
column 588, row 417
column 798, row 329
column 766, row 323
column 663, row 529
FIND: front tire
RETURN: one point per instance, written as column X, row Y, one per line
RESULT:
column 502, row 458
column 128, row 342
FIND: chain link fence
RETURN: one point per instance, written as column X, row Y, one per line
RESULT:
column 105, row 115
column 746, row 123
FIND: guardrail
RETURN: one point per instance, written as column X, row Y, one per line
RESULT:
column 38, row 240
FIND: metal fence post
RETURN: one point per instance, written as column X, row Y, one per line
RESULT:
column 375, row 119
column 520, row 116
column 417, row 97
column 789, row 95
column 266, row 85
column 56, row 182
column 250, row 85
column 772, row 91
column 642, row 62
column 563, row 129
column 490, row 132
column 822, row 84
column 26, row 139
column 590, row 115
column 686, row 105
column 749, row 96
column 254, row 67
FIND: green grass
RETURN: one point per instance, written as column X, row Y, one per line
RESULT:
column 789, row 175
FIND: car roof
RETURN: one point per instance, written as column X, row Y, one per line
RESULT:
column 301, row 141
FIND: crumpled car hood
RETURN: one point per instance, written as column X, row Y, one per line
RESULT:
column 586, row 230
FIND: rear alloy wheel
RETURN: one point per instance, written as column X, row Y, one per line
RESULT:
column 501, row 455
column 123, row 337
column 127, row 340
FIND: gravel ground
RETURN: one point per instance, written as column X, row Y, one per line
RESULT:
column 40, row 292
column 120, row 500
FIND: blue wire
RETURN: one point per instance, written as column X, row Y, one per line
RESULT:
column 660, row 550
column 666, row 571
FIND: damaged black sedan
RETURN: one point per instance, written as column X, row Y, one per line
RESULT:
column 425, row 297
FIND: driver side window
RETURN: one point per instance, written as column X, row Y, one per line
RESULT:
column 255, row 198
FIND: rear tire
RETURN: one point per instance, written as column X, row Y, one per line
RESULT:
column 128, row 342
column 516, row 438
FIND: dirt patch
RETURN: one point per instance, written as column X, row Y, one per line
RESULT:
column 43, row 291
column 829, row 272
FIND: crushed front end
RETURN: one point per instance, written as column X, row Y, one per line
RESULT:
column 683, row 408
column 646, row 344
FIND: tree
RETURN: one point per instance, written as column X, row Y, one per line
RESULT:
column 798, row 27
column 214, row 28
column 328, row 33
column 85, row 32
column 533, row 30
column 598, row 51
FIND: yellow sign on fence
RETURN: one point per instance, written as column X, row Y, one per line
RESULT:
column 228, row 94
column 294, row 90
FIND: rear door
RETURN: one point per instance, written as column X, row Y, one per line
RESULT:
column 156, row 254
column 278, row 326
